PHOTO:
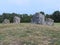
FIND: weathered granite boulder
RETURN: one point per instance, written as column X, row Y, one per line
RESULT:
column 38, row 18
column 16, row 19
column 6, row 21
column 49, row 21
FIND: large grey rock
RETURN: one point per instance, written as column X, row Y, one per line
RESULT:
column 49, row 21
column 16, row 20
column 38, row 18
column 6, row 21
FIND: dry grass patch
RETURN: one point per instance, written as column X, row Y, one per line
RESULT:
column 29, row 34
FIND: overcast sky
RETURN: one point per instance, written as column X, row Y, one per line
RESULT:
column 29, row 6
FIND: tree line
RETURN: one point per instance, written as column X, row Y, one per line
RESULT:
column 25, row 18
column 55, row 16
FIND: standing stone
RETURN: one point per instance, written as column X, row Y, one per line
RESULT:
column 38, row 18
column 6, row 21
column 16, row 20
column 49, row 21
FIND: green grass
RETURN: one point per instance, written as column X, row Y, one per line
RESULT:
column 30, row 34
column 57, row 24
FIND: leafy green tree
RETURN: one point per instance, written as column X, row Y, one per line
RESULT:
column 42, row 12
column 56, row 16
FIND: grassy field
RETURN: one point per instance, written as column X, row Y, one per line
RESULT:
column 57, row 24
column 29, row 34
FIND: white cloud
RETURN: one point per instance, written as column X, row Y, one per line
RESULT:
column 19, row 2
column 29, row 5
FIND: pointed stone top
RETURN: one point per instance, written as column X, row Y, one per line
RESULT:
column 16, row 19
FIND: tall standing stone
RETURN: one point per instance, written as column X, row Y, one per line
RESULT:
column 16, row 20
column 38, row 18
column 6, row 21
